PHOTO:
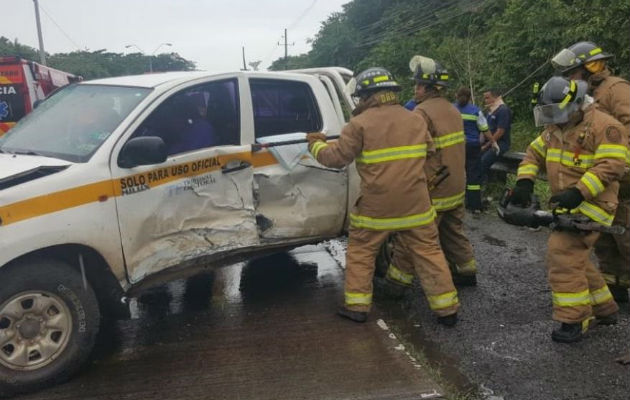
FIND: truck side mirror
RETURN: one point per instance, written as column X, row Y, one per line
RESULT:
column 144, row 150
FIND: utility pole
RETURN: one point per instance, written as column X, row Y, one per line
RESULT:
column 42, row 54
column 244, row 64
column 286, row 48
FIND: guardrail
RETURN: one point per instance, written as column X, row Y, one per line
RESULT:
column 506, row 164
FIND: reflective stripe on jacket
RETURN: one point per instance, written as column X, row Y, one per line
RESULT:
column 474, row 122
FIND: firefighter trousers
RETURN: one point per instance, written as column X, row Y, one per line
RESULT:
column 577, row 287
column 415, row 249
column 613, row 251
column 454, row 242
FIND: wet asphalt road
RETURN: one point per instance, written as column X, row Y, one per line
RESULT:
column 502, row 342
column 265, row 329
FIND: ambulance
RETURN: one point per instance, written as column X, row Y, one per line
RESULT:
column 22, row 84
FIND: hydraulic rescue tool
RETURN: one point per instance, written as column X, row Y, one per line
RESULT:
column 260, row 146
column 557, row 219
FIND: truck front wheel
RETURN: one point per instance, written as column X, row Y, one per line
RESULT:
column 49, row 319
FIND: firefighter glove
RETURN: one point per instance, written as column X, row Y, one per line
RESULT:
column 522, row 192
column 314, row 137
column 569, row 199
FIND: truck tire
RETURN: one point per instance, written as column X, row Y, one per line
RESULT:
column 48, row 324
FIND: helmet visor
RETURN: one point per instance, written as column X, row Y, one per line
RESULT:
column 552, row 114
column 564, row 59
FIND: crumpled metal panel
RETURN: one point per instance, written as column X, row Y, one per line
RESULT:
column 307, row 201
column 195, row 217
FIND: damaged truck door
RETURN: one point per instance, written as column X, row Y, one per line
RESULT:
column 302, row 200
column 200, row 200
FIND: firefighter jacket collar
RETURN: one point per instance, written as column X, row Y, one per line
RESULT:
column 596, row 79
column 380, row 98
column 429, row 95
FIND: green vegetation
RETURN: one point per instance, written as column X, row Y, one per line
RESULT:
column 483, row 43
column 99, row 63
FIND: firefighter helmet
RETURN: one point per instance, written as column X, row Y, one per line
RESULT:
column 578, row 55
column 374, row 79
column 428, row 71
column 558, row 99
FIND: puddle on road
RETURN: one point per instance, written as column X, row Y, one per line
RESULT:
column 180, row 308
column 266, row 277
column 403, row 326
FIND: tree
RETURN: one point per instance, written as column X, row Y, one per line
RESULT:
column 100, row 63
column 8, row 48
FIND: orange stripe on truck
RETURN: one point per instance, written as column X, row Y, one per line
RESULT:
column 127, row 185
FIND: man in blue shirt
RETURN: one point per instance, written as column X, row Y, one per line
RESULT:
column 499, row 118
column 411, row 104
column 474, row 124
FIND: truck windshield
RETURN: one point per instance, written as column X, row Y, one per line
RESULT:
column 73, row 123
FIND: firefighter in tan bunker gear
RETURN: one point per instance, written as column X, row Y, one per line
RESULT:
column 582, row 150
column 389, row 145
column 587, row 61
column 447, row 131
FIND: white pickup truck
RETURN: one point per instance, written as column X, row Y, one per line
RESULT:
column 114, row 184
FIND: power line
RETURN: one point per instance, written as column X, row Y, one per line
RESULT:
column 304, row 13
column 291, row 26
column 59, row 27
column 386, row 18
column 525, row 79
column 416, row 26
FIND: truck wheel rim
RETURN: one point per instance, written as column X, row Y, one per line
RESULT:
column 34, row 330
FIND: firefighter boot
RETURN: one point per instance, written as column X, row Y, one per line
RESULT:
column 610, row 319
column 356, row 316
column 619, row 292
column 464, row 280
column 448, row 320
column 387, row 289
column 460, row 278
column 570, row 333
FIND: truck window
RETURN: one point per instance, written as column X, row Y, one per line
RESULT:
column 199, row 117
column 282, row 106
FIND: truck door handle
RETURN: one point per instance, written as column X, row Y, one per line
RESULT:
column 234, row 165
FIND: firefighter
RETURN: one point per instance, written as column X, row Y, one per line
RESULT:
column 582, row 150
column 446, row 166
column 389, row 145
column 587, row 61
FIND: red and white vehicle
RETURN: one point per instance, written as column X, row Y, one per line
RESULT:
column 24, row 82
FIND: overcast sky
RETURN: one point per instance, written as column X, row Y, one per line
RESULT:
column 208, row 32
